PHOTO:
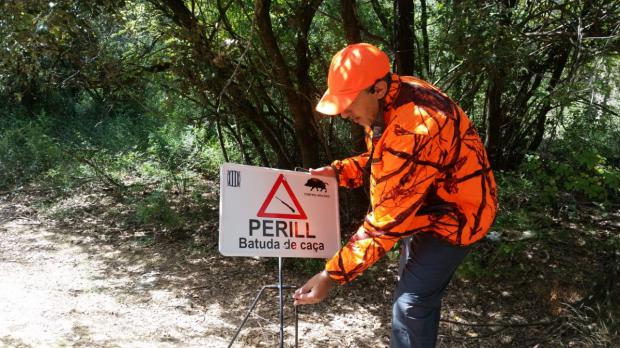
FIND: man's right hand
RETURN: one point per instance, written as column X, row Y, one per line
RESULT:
column 324, row 171
column 315, row 289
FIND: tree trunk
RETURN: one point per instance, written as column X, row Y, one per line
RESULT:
column 425, row 43
column 498, row 75
column 559, row 60
column 258, row 146
column 495, row 118
column 237, row 96
column 352, row 34
column 267, row 130
column 379, row 12
column 236, row 134
column 403, row 37
column 299, row 106
column 349, row 20
column 220, row 138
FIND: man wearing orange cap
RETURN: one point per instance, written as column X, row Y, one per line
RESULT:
column 430, row 181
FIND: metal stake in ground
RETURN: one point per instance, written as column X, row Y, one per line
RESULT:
column 281, row 303
column 280, row 287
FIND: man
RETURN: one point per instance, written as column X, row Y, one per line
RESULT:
column 430, row 185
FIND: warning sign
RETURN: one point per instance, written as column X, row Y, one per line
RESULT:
column 270, row 212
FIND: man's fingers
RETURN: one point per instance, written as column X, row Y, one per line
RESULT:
column 307, row 298
column 304, row 295
column 315, row 289
column 324, row 171
column 304, row 289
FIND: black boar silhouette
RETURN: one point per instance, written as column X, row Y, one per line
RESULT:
column 318, row 184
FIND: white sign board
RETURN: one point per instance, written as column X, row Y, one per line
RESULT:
column 271, row 212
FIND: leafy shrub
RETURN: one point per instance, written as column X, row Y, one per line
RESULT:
column 584, row 173
column 156, row 209
column 26, row 152
column 172, row 146
column 177, row 153
column 210, row 159
column 554, row 183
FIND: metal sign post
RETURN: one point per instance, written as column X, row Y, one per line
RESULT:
column 276, row 213
column 280, row 288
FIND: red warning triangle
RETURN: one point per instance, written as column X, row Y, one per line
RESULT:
column 297, row 212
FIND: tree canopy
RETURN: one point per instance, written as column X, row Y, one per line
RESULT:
column 253, row 70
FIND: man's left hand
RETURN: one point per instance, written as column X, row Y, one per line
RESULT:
column 315, row 289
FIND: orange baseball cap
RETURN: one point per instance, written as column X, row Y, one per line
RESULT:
column 352, row 69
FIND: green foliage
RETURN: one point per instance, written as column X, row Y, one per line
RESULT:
column 156, row 209
column 177, row 154
column 472, row 268
column 125, row 94
column 577, row 164
column 27, row 152
column 495, row 261
column 585, row 173
column 210, row 159
column 548, row 187
column 172, row 147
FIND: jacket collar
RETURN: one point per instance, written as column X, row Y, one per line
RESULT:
column 389, row 99
column 384, row 115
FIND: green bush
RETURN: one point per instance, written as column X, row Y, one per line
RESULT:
column 26, row 152
column 584, row 173
column 156, row 209
column 210, row 159
column 554, row 184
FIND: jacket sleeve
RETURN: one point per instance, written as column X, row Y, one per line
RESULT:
column 350, row 171
column 409, row 164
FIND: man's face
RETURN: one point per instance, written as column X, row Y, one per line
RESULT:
column 365, row 106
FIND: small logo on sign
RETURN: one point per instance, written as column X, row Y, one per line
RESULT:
column 234, row 178
column 317, row 184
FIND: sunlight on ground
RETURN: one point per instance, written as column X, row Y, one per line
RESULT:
column 54, row 293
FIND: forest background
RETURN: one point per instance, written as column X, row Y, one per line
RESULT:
column 144, row 100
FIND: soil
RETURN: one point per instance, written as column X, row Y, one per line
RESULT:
column 75, row 271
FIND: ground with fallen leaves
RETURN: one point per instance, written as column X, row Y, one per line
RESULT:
column 76, row 271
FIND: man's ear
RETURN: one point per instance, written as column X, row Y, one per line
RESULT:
column 380, row 89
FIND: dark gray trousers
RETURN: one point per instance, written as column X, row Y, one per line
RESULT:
column 426, row 266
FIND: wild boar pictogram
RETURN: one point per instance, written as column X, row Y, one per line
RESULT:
column 318, row 184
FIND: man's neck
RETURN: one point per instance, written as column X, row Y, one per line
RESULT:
column 379, row 122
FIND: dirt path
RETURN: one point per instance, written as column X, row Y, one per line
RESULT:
column 56, row 293
column 79, row 284
column 74, row 272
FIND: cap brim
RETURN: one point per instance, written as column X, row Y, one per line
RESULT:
column 334, row 104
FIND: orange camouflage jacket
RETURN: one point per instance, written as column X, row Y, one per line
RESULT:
column 429, row 173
